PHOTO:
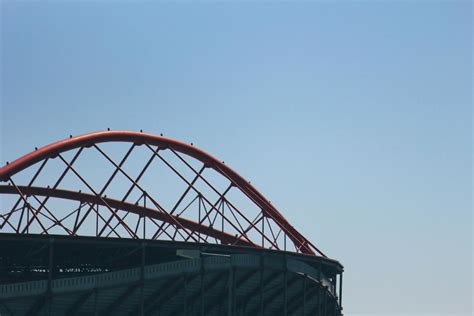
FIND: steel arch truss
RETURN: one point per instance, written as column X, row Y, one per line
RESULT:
column 135, row 185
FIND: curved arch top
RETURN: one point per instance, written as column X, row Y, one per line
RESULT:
column 90, row 139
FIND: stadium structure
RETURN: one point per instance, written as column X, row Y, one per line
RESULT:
column 131, row 223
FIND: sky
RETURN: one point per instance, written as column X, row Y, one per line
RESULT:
column 353, row 117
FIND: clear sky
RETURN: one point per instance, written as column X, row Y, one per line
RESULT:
column 354, row 118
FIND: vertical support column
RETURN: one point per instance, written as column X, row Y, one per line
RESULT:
column 334, row 288
column 142, row 279
column 261, row 285
column 222, row 216
column 199, row 215
column 202, row 286
column 325, row 301
column 27, row 218
column 340, row 291
column 230, row 293
column 96, row 312
column 285, row 293
column 97, row 221
column 144, row 218
column 320, row 290
column 185, row 293
column 50, row 274
column 304, row 294
column 318, row 299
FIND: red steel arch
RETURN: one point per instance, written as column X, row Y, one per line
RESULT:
column 301, row 244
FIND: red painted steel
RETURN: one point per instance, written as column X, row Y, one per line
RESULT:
column 139, row 210
column 89, row 140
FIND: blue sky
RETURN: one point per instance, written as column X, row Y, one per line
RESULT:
column 354, row 118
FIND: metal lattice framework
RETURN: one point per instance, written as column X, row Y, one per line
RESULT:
column 129, row 184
